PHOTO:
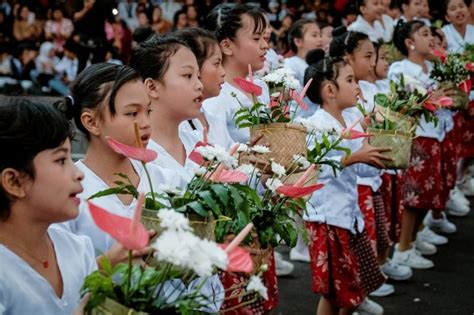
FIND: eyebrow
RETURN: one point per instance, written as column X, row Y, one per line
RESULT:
column 188, row 66
column 60, row 150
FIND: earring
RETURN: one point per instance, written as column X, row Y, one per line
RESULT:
column 412, row 47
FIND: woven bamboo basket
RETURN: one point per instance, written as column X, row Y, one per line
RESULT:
column 460, row 99
column 264, row 257
column 285, row 139
column 400, row 143
column 111, row 307
column 202, row 227
column 406, row 124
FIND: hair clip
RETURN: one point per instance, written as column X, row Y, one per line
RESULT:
column 325, row 65
column 71, row 99
column 346, row 40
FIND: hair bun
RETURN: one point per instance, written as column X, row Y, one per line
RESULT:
column 315, row 55
column 338, row 31
column 66, row 106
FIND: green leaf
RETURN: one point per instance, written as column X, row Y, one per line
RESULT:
column 221, row 193
column 198, row 208
column 210, row 202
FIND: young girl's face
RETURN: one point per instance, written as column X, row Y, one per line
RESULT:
column 249, row 46
column 362, row 60
column 423, row 41
column 381, row 66
column 372, row 10
column 348, row 89
column 326, row 36
column 457, row 12
column 212, row 73
column 425, row 9
column 311, row 37
column 180, row 90
column 131, row 105
column 413, row 9
column 56, row 183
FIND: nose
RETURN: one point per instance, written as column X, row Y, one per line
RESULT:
column 199, row 85
column 79, row 175
column 264, row 44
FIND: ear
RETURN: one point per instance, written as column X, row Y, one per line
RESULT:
column 447, row 18
column 329, row 91
column 298, row 42
column 13, row 183
column 151, row 88
column 408, row 43
column 91, row 121
column 226, row 47
column 362, row 9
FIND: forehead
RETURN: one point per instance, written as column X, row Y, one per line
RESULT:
column 132, row 92
column 251, row 25
column 345, row 71
column 366, row 46
column 183, row 57
column 310, row 27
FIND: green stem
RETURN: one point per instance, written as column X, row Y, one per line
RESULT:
column 129, row 280
column 149, row 183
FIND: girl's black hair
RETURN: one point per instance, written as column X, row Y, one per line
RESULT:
column 151, row 57
column 297, row 31
column 321, row 69
column 93, row 86
column 27, row 127
column 358, row 4
column 405, row 30
column 400, row 3
column 345, row 42
column 435, row 33
column 200, row 41
column 226, row 19
column 176, row 17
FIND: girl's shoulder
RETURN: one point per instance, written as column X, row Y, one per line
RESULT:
column 79, row 246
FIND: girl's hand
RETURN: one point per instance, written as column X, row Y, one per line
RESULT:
column 117, row 253
column 82, row 304
column 368, row 155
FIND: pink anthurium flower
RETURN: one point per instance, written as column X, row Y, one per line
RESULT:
column 195, row 156
column 135, row 153
column 239, row 259
column 130, row 233
column 298, row 98
column 222, row 175
column 248, row 87
column 297, row 190
column 466, row 86
column 434, row 103
column 441, row 54
column 350, row 133
column 470, row 67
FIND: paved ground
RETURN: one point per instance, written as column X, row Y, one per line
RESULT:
column 446, row 289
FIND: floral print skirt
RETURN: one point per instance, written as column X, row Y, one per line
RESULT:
column 343, row 265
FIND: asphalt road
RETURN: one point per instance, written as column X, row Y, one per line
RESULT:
column 448, row 288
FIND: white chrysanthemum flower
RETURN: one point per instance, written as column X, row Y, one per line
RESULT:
column 278, row 169
column 275, row 95
column 243, row 148
column 293, row 84
column 170, row 189
column 260, row 149
column 170, row 219
column 301, row 161
column 247, row 169
column 273, row 184
column 200, row 170
column 256, row 285
column 219, row 154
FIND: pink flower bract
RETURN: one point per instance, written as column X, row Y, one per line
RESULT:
column 130, row 233
column 135, row 153
column 248, row 87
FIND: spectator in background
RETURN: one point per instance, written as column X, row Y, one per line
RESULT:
column 67, row 69
column 121, row 40
column 158, row 23
column 127, row 10
column 170, row 7
column 282, row 45
column 326, row 35
column 274, row 14
column 58, row 29
column 24, row 61
column 6, row 28
column 25, row 26
column 180, row 20
column 45, row 64
column 5, row 62
column 143, row 19
column 191, row 15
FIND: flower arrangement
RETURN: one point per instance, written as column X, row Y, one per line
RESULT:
column 283, row 91
column 453, row 72
column 173, row 287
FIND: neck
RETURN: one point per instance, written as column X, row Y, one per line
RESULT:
column 461, row 29
column 24, row 231
column 335, row 112
column 106, row 163
column 418, row 59
column 302, row 53
column 370, row 21
column 165, row 126
column 232, row 70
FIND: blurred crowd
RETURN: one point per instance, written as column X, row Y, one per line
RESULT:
column 44, row 44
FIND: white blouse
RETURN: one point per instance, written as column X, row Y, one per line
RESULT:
column 24, row 291
column 224, row 106
column 298, row 65
column 376, row 32
column 337, row 202
column 189, row 138
column 455, row 41
column 218, row 134
column 92, row 183
column 406, row 67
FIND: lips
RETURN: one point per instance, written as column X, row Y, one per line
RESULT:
column 145, row 138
